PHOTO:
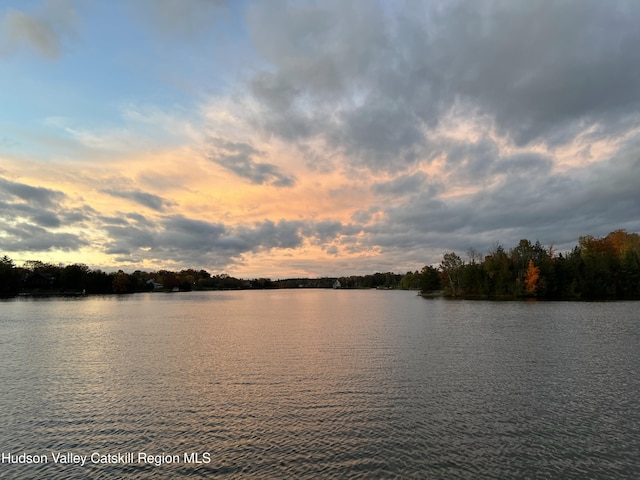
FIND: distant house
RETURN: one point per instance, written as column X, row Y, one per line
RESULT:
column 156, row 285
column 337, row 284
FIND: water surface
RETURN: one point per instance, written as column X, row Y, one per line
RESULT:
column 321, row 384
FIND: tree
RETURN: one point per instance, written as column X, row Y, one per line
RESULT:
column 98, row 281
column 410, row 281
column 73, row 276
column 169, row 280
column 531, row 279
column 9, row 278
column 450, row 267
column 429, row 279
column 499, row 276
column 121, row 283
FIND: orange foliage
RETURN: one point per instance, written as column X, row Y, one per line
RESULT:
column 531, row 279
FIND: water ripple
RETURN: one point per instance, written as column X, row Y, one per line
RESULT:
column 322, row 385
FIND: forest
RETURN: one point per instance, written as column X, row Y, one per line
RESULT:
column 597, row 268
column 36, row 278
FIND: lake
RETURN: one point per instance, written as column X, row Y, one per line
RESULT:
column 318, row 384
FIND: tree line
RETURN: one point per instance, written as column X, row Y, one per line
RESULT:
column 605, row 267
column 39, row 278
column 36, row 277
column 597, row 268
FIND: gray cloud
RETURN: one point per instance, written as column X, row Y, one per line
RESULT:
column 47, row 219
column 33, row 238
column 522, row 164
column 77, row 215
column 27, row 205
column 38, row 195
column 325, row 231
column 148, row 200
column 402, row 185
column 369, row 80
column 197, row 235
column 468, row 161
column 30, row 217
column 191, row 234
column 529, row 202
column 331, row 79
column 43, row 30
column 126, row 238
column 539, row 69
column 189, row 242
column 375, row 85
column 382, row 134
column 317, row 47
column 284, row 234
column 238, row 157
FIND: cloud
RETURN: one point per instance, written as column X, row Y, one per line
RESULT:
column 148, row 200
column 371, row 81
column 541, row 70
column 122, row 240
column 77, row 215
column 31, row 219
column 522, row 164
column 43, row 30
column 38, row 195
column 24, row 237
column 186, row 242
column 47, row 219
column 188, row 234
column 197, row 236
column 140, row 130
column 401, row 185
column 324, row 231
column 238, row 158
column 527, row 201
column 330, row 62
column 429, row 126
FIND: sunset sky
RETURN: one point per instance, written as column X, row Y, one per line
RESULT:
column 310, row 138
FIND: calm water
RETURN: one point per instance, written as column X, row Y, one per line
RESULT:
column 320, row 384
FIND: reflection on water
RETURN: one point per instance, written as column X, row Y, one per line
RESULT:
column 321, row 383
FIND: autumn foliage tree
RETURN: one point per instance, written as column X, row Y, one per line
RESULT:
column 599, row 267
column 531, row 279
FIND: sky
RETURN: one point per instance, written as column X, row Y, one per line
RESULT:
column 313, row 138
